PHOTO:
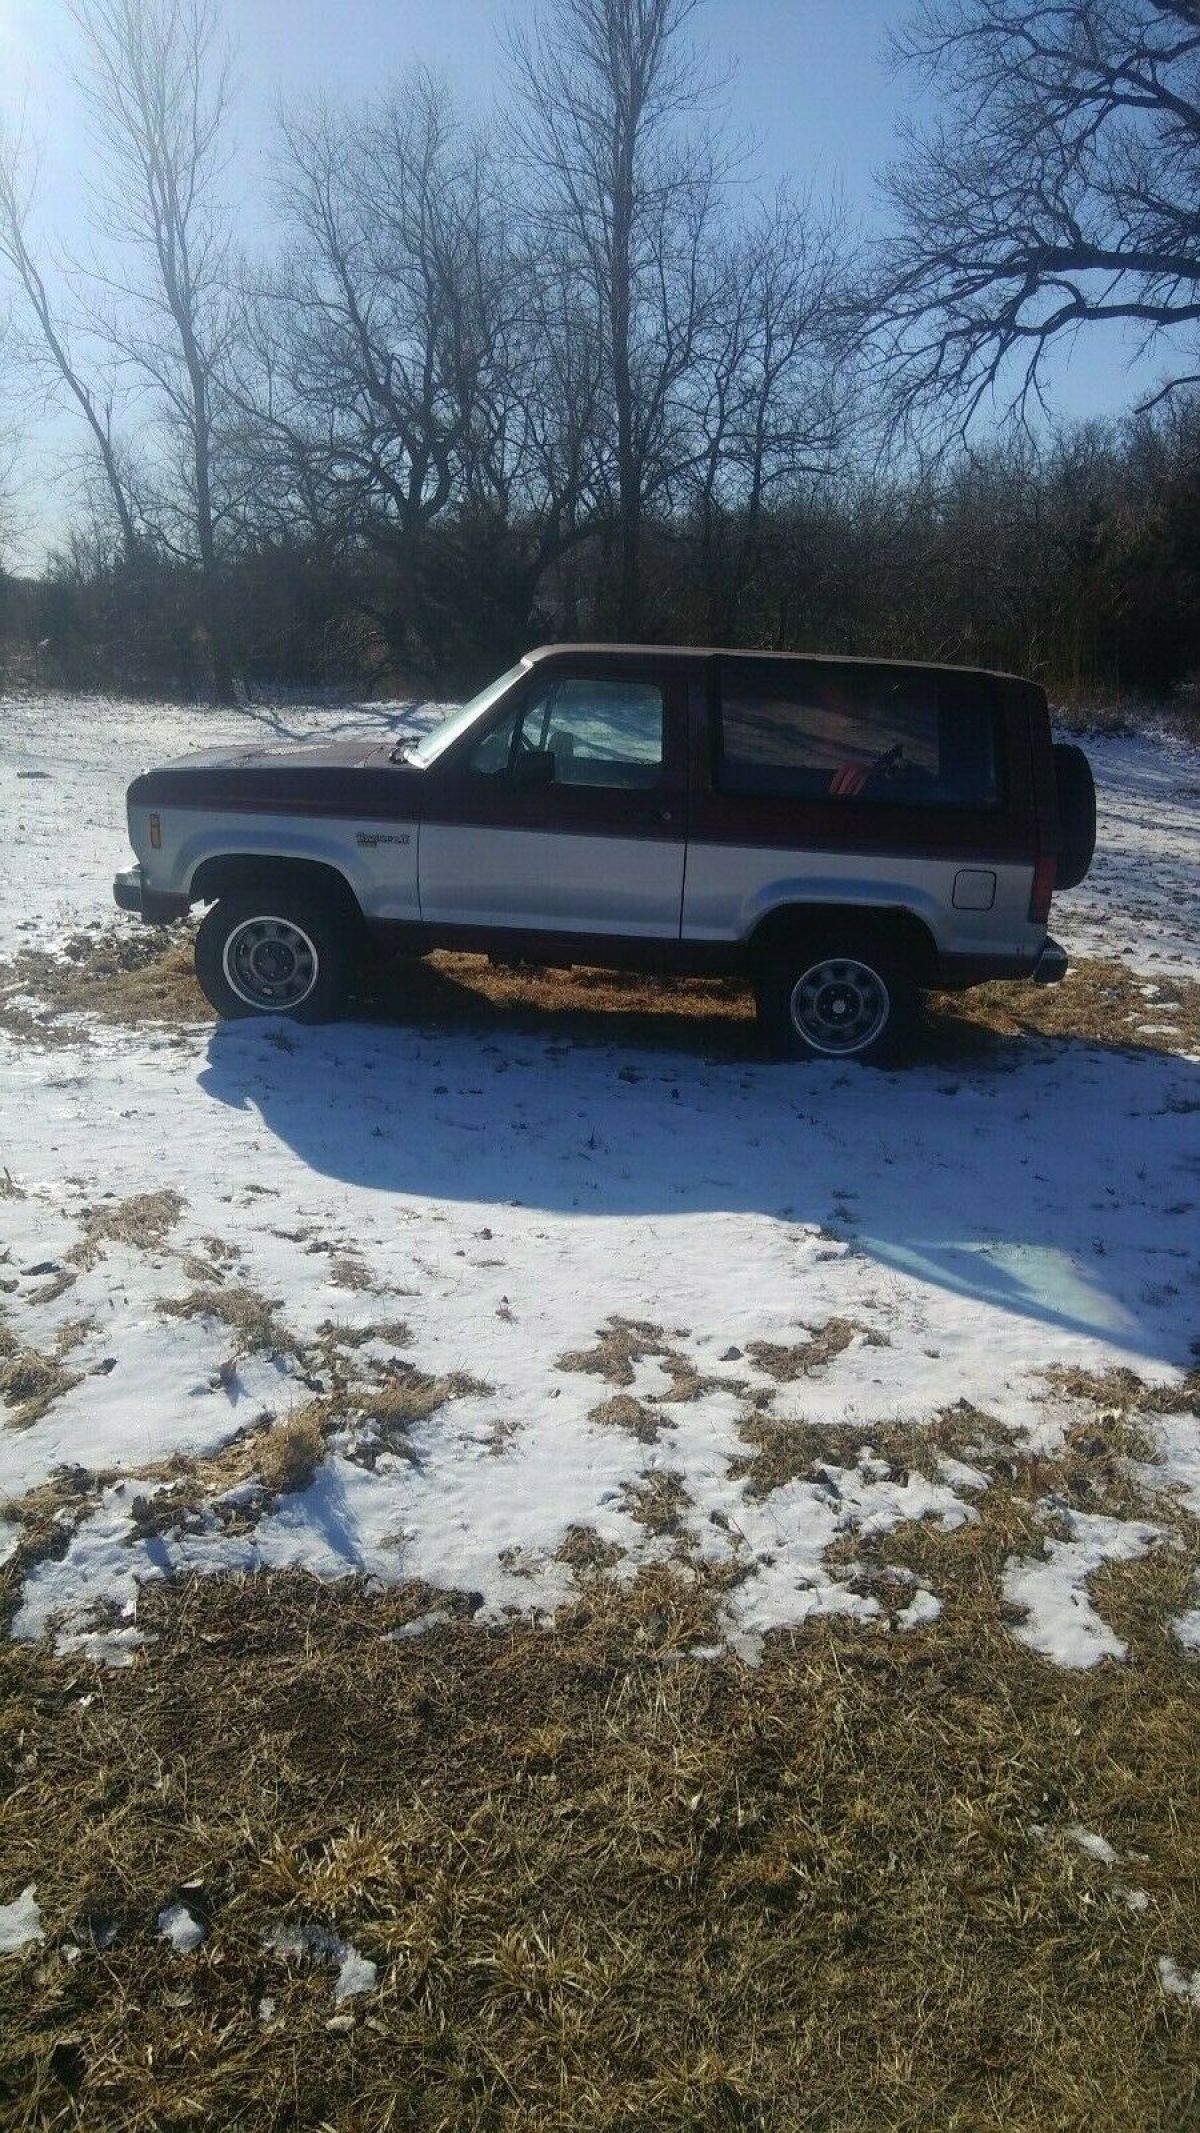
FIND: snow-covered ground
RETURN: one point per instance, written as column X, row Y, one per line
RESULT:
column 568, row 1227
column 1141, row 900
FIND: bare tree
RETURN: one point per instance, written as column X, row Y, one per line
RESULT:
column 48, row 347
column 156, row 81
column 419, row 379
column 1062, row 191
column 772, row 386
column 378, row 346
column 603, row 91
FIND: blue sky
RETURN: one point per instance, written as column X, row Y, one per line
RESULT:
column 809, row 80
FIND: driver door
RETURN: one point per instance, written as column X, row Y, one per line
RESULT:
column 569, row 815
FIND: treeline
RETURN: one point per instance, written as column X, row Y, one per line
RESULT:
column 1077, row 562
column 559, row 379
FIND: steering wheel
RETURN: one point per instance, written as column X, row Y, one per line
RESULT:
column 890, row 760
column 853, row 778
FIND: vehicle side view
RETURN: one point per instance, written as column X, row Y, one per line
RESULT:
column 842, row 832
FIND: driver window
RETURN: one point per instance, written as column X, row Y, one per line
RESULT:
column 603, row 732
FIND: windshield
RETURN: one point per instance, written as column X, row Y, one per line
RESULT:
column 427, row 750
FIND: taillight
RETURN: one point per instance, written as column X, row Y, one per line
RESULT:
column 1043, row 889
column 156, row 833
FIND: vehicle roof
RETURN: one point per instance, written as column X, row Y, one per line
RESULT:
column 717, row 651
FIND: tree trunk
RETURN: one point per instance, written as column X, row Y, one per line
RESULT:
column 629, row 597
column 211, row 596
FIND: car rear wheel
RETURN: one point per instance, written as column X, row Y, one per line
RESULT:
column 837, row 999
column 274, row 952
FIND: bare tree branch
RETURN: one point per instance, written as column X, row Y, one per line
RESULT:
column 1062, row 192
column 156, row 83
column 53, row 338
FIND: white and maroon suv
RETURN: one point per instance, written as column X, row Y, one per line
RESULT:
column 842, row 831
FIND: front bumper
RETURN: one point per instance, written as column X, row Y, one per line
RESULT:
column 132, row 892
column 1052, row 964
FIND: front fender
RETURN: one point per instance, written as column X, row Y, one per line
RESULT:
column 246, row 838
column 377, row 860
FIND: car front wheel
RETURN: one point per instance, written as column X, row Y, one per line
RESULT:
column 274, row 952
column 837, row 999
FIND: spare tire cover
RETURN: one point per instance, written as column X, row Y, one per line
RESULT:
column 1076, row 814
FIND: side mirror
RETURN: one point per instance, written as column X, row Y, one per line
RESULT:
column 535, row 766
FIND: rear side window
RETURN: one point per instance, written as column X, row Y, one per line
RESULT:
column 875, row 735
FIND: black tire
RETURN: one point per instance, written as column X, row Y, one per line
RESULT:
column 1076, row 814
column 857, row 993
column 275, row 951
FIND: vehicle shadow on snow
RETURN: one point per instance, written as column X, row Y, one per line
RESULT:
column 1053, row 1179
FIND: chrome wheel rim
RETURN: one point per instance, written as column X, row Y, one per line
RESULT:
column 271, row 964
column 839, row 1006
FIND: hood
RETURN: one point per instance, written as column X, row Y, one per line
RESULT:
column 313, row 777
column 301, row 755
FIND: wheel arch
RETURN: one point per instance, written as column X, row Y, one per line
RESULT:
column 225, row 873
column 892, row 927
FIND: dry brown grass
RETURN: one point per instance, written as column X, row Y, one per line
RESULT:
column 348, row 1271
column 142, row 977
column 606, row 1885
column 130, row 976
column 659, row 1500
column 250, row 1316
column 145, row 1220
column 623, row 1343
column 635, row 1416
column 803, row 1358
column 403, row 1397
column 710, row 1015
column 288, row 1456
column 781, row 1449
column 30, row 1381
column 1121, row 1393
column 1097, row 1003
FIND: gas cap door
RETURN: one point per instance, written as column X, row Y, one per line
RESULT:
column 974, row 889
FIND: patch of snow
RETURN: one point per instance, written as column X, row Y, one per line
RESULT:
column 107, row 1647
column 420, row 1625
column 1176, row 1471
column 1140, row 902
column 86, row 749
column 961, row 1476
column 20, row 1922
column 1061, row 1622
column 10, row 1534
column 1135, row 1900
column 355, row 1974
column 181, row 1927
column 510, row 1193
column 293, row 1944
column 1096, row 1846
column 1186, row 1628
column 1181, row 1984
column 921, row 1609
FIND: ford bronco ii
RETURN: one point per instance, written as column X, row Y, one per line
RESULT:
column 842, row 832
